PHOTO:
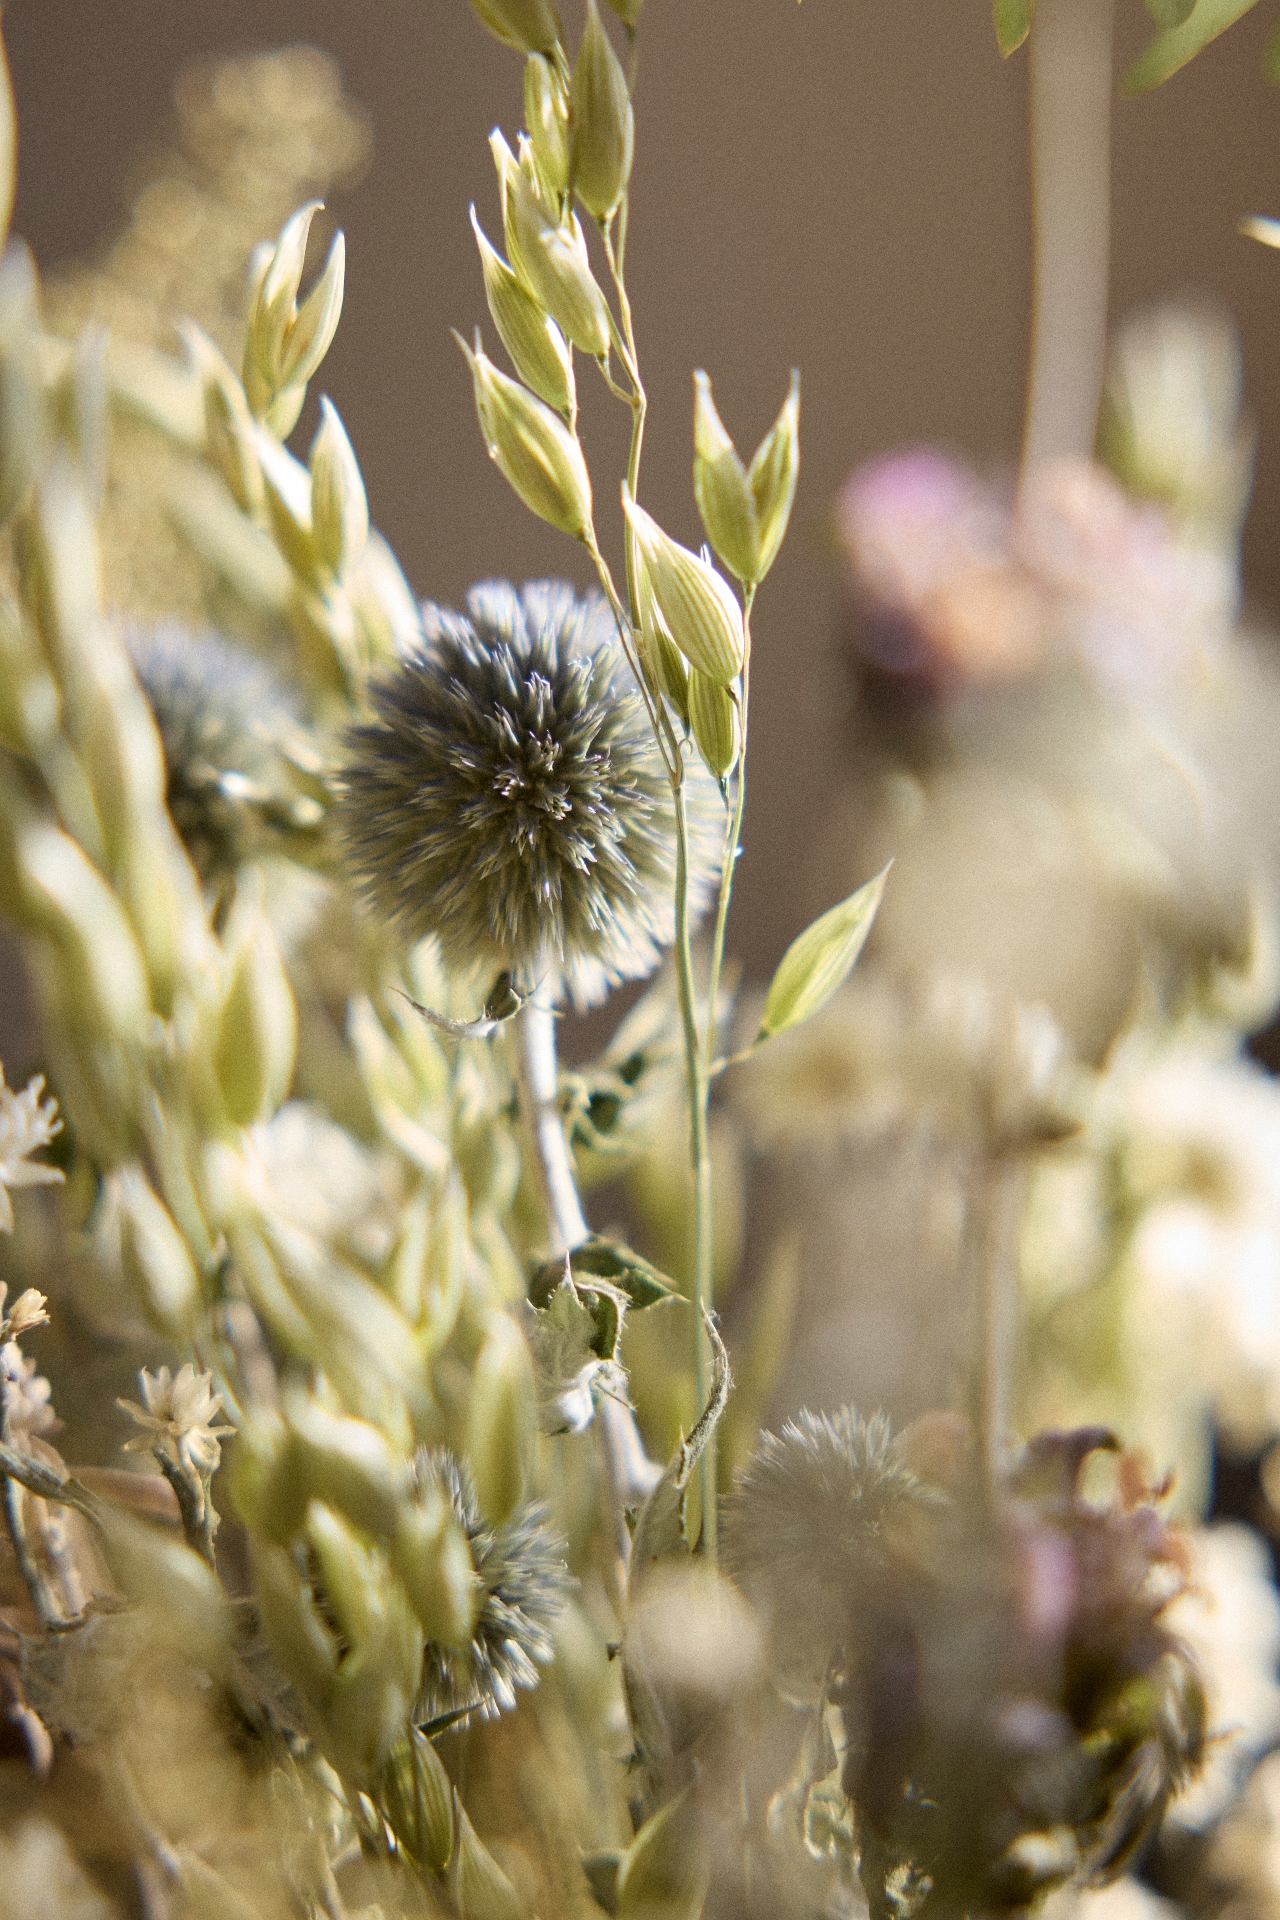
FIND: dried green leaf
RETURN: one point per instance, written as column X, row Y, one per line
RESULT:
column 601, row 1259
column 1173, row 48
column 820, row 959
column 660, row 1528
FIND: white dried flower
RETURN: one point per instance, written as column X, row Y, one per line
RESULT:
column 26, row 1314
column 25, row 1394
column 26, row 1124
column 178, row 1429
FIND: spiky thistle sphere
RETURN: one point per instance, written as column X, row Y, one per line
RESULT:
column 524, row 1580
column 508, row 796
column 240, row 770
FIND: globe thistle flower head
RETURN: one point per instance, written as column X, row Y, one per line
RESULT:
column 521, row 1569
column 236, row 755
column 508, row 796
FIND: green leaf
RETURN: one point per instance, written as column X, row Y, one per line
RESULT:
column 607, row 1260
column 820, row 959
column 660, row 1530
column 1174, row 47
column 1013, row 23
column 1170, row 13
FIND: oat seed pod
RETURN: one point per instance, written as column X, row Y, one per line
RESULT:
column 285, row 343
column 508, row 797
column 539, row 351
column 546, row 113
column 339, row 507
column 155, row 1257
column 432, row 1559
column 713, row 716
column 726, row 503
column 694, row 605
column 257, row 1032
column 418, row 1802
column 550, row 258
column 604, row 130
column 530, row 26
column 531, row 446
column 773, row 474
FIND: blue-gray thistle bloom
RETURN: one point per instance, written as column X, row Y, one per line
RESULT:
column 236, row 756
column 508, row 796
column 522, row 1573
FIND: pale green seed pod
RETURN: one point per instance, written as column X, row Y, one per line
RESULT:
column 661, row 659
column 339, row 507
column 773, row 474
column 530, row 26
column 348, row 1464
column 155, row 1257
column 480, row 1889
column 604, row 130
column 66, row 898
column 664, row 1870
column 284, row 344
column 432, row 1560
column 531, row 446
column 381, row 1668
column 267, row 1482
column 417, row 1800
column 8, row 145
column 713, row 716
column 546, row 113
column 628, row 11
column 693, row 604
column 287, row 489
column 550, row 259
column 23, row 424
column 228, row 423
column 539, row 352
column 257, row 1033
column 726, row 503
column 502, row 1419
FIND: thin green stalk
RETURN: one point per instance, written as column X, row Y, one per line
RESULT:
column 733, row 835
column 700, row 1163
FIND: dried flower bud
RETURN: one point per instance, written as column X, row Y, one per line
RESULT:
column 339, row 509
column 713, row 715
column 538, row 349
column 27, row 1123
column 546, row 113
column 694, row 605
column 531, row 26
column 531, row 446
column 603, row 122
column 550, row 258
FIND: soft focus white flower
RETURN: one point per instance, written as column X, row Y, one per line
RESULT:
column 26, row 1395
column 177, row 1424
column 26, row 1123
column 1200, row 1152
column 26, row 1313
column 322, row 1179
column 1230, row 1618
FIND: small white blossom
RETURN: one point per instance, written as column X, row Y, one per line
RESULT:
column 26, row 1395
column 177, row 1424
column 26, row 1314
column 26, row 1123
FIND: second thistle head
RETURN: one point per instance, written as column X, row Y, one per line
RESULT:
column 508, row 797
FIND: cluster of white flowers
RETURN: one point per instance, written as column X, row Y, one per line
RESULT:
column 26, row 1124
column 177, row 1427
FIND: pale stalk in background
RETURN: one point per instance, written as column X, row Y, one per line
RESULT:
column 1070, row 107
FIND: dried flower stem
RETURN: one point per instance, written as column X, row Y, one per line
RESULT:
column 629, row 1473
column 995, row 1212
column 1070, row 81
